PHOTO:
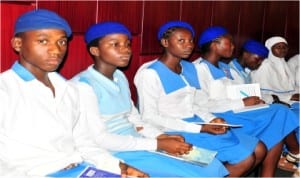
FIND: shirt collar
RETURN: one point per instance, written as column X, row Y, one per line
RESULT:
column 22, row 72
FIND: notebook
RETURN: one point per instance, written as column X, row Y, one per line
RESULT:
column 197, row 155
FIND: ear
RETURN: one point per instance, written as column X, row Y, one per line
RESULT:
column 16, row 43
column 94, row 51
column 164, row 42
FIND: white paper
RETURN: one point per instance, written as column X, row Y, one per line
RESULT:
column 243, row 91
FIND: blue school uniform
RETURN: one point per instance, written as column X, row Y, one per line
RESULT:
column 231, row 147
column 270, row 125
column 115, row 106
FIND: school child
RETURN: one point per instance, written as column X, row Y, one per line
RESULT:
column 271, row 125
column 41, row 129
column 274, row 74
column 109, row 44
column 168, row 95
column 251, row 57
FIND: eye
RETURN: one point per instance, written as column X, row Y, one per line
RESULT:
column 128, row 44
column 62, row 42
column 43, row 41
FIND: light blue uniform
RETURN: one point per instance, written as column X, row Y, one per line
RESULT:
column 116, row 110
column 174, row 101
column 270, row 125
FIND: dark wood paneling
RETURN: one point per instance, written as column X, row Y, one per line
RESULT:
column 251, row 22
column 156, row 13
column 198, row 14
column 127, row 12
column 275, row 19
column 79, row 14
column 292, row 28
column 226, row 14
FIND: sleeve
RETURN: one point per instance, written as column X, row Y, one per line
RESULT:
column 149, row 89
column 148, row 130
column 86, row 144
column 268, row 81
column 109, row 141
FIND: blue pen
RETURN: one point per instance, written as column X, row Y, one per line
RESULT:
column 244, row 93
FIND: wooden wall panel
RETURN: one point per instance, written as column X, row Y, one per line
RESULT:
column 127, row 12
column 292, row 28
column 251, row 22
column 275, row 19
column 198, row 14
column 156, row 13
column 79, row 14
column 226, row 14
column 9, row 13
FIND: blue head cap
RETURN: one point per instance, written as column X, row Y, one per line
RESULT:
column 211, row 34
column 41, row 19
column 105, row 28
column 256, row 47
column 172, row 24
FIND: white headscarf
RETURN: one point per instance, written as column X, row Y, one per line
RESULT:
column 286, row 81
column 274, row 75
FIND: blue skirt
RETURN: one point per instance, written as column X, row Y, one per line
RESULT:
column 157, row 165
column 270, row 125
column 231, row 147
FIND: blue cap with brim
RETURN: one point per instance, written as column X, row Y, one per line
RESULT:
column 256, row 47
column 173, row 24
column 41, row 19
column 211, row 34
column 105, row 28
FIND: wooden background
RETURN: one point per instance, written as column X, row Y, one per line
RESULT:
column 244, row 19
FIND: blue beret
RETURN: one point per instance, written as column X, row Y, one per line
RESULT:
column 172, row 24
column 210, row 34
column 105, row 28
column 256, row 47
column 41, row 19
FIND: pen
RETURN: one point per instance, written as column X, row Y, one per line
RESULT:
column 244, row 93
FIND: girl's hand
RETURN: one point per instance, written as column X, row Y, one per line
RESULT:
column 252, row 100
column 215, row 129
column 128, row 171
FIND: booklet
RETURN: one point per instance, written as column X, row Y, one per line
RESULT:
column 97, row 173
column 197, row 155
column 219, row 124
column 243, row 90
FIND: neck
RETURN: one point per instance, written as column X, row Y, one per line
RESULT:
column 105, row 70
column 172, row 63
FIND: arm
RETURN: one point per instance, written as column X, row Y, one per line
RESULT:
column 112, row 142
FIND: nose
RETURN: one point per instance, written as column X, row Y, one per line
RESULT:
column 54, row 48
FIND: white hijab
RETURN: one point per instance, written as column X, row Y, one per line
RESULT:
column 283, row 79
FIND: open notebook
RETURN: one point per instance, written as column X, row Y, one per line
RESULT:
column 242, row 91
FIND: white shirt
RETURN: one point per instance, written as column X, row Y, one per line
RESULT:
column 111, row 141
column 293, row 64
column 216, row 90
column 167, row 111
column 40, row 133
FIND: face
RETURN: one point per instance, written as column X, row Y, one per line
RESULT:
column 41, row 51
column 114, row 50
column 225, row 46
column 280, row 50
column 252, row 61
column 180, row 43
